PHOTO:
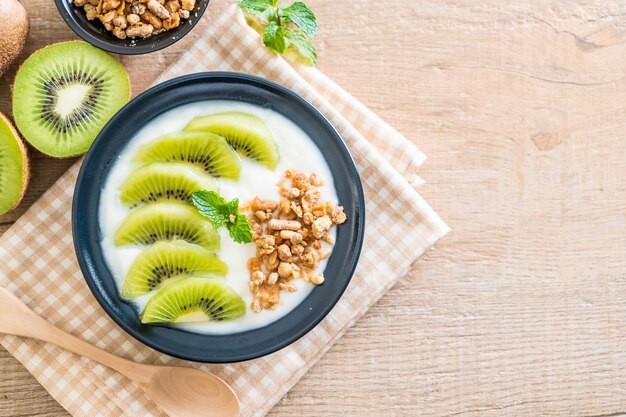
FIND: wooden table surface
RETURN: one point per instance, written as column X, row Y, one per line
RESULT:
column 521, row 108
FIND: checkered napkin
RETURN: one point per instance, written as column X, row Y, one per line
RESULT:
column 37, row 260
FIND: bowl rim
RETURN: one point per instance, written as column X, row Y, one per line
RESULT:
column 87, row 267
column 127, row 50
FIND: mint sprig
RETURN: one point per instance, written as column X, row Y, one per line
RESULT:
column 286, row 26
column 223, row 213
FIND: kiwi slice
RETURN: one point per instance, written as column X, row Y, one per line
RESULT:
column 14, row 171
column 165, row 181
column 194, row 300
column 164, row 261
column 167, row 221
column 205, row 150
column 64, row 94
column 246, row 133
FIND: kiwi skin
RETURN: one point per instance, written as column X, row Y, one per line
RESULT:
column 26, row 164
column 41, row 49
column 13, row 32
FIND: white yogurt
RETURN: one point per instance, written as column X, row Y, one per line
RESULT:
column 297, row 151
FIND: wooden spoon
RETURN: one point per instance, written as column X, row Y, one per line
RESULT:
column 181, row 392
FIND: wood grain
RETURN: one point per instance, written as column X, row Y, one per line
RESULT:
column 521, row 108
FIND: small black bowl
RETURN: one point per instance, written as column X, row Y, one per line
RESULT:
column 94, row 32
column 111, row 141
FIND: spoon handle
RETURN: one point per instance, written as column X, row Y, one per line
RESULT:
column 19, row 320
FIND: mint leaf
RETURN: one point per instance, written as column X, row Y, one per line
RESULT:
column 263, row 9
column 274, row 37
column 300, row 15
column 240, row 230
column 232, row 207
column 302, row 43
column 210, row 204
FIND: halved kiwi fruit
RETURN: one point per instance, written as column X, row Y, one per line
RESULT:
column 14, row 171
column 165, row 181
column 194, row 300
column 205, row 150
column 164, row 261
column 167, row 221
column 246, row 133
column 64, row 94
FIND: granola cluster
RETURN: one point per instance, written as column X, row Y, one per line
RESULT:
column 137, row 18
column 290, row 238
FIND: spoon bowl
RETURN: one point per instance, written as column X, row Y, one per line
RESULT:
column 199, row 392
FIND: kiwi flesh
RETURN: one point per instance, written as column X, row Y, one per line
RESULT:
column 165, row 221
column 194, row 300
column 64, row 94
column 205, row 150
column 246, row 133
column 14, row 172
column 165, row 261
column 164, row 181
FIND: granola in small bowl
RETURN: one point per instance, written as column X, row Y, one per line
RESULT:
column 137, row 18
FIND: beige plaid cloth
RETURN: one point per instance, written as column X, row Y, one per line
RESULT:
column 37, row 260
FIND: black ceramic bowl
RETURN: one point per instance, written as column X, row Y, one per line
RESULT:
column 111, row 141
column 94, row 33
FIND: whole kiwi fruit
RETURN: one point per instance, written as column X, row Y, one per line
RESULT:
column 13, row 32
